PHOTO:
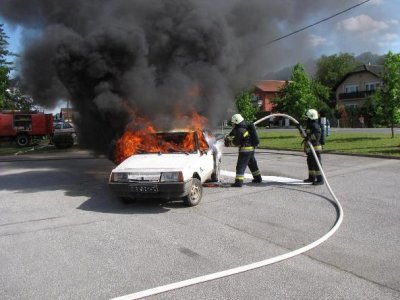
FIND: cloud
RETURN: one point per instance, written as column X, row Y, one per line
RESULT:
column 389, row 40
column 390, row 37
column 316, row 40
column 393, row 22
column 365, row 32
column 363, row 23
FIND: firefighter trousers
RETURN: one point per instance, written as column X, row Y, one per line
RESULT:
column 246, row 158
column 313, row 171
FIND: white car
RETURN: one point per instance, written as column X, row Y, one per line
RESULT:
column 64, row 128
column 170, row 173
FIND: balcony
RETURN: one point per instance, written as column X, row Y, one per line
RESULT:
column 355, row 95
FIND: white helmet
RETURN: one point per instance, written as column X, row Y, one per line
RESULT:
column 237, row 118
column 312, row 114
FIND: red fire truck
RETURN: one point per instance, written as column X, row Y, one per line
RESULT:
column 23, row 126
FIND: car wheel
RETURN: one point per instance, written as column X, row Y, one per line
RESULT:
column 126, row 200
column 216, row 173
column 63, row 140
column 22, row 140
column 195, row 193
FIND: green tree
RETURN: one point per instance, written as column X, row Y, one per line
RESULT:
column 4, row 67
column 323, row 94
column 244, row 105
column 18, row 101
column 387, row 98
column 370, row 58
column 330, row 69
column 3, row 86
column 297, row 95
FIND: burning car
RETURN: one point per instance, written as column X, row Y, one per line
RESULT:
column 168, row 164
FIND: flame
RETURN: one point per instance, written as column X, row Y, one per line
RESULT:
column 140, row 137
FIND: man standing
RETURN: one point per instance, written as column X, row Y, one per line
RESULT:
column 313, row 131
column 245, row 136
column 361, row 120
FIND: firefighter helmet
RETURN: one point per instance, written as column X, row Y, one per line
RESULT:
column 312, row 114
column 237, row 118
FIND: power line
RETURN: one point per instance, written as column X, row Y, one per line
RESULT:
column 316, row 23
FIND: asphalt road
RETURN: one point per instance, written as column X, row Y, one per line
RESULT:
column 63, row 235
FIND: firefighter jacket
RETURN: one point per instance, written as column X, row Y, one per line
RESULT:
column 313, row 131
column 241, row 137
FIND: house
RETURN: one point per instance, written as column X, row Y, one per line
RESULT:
column 66, row 114
column 356, row 86
column 265, row 91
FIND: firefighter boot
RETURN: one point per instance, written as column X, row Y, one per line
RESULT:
column 257, row 179
column 237, row 183
column 320, row 180
column 310, row 179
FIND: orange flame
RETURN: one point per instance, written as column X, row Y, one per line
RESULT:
column 140, row 137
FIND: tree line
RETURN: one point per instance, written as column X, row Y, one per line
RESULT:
column 10, row 98
column 303, row 91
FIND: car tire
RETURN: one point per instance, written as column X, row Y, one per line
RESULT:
column 195, row 193
column 22, row 140
column 63, row 140
column 216, row 173
column 126, row 200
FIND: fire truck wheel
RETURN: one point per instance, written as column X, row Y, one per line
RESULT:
column 195, row 193
column 22, row 140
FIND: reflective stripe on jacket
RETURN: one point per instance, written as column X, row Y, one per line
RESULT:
column 246, row 149
column 241, row 137
column 313, row 131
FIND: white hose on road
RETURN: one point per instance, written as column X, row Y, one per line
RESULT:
column 237, row 270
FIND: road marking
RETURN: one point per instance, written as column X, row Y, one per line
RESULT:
column 252, row 266
column 265, row 178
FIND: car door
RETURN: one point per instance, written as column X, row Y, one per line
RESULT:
column 206, row 159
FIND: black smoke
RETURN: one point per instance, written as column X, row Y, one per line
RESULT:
column 115, row 59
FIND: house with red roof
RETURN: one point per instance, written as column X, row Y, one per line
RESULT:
column 265, row 91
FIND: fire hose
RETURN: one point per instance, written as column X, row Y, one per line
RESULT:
column 256, row 265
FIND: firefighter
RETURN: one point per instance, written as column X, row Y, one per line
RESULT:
column 244, row 136
column 313, row 131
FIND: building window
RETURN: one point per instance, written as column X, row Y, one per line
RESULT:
column 351, row 105
column 351, row 88
column 372, row 86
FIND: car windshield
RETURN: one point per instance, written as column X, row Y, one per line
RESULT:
column 169, row 142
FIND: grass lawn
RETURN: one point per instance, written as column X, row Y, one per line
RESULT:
column 352, row 143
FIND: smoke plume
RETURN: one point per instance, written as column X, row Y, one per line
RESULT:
column 115, row 59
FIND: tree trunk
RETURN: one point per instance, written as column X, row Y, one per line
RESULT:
column 392, row 128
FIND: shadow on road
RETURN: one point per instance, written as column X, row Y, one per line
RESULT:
column 83, row 177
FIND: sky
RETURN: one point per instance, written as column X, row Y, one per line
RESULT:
column 15, row 46
column 371, row 27
column 374, row 27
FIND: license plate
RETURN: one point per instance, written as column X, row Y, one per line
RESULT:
column 144, row 188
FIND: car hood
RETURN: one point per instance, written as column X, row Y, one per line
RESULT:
column 156, row 162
